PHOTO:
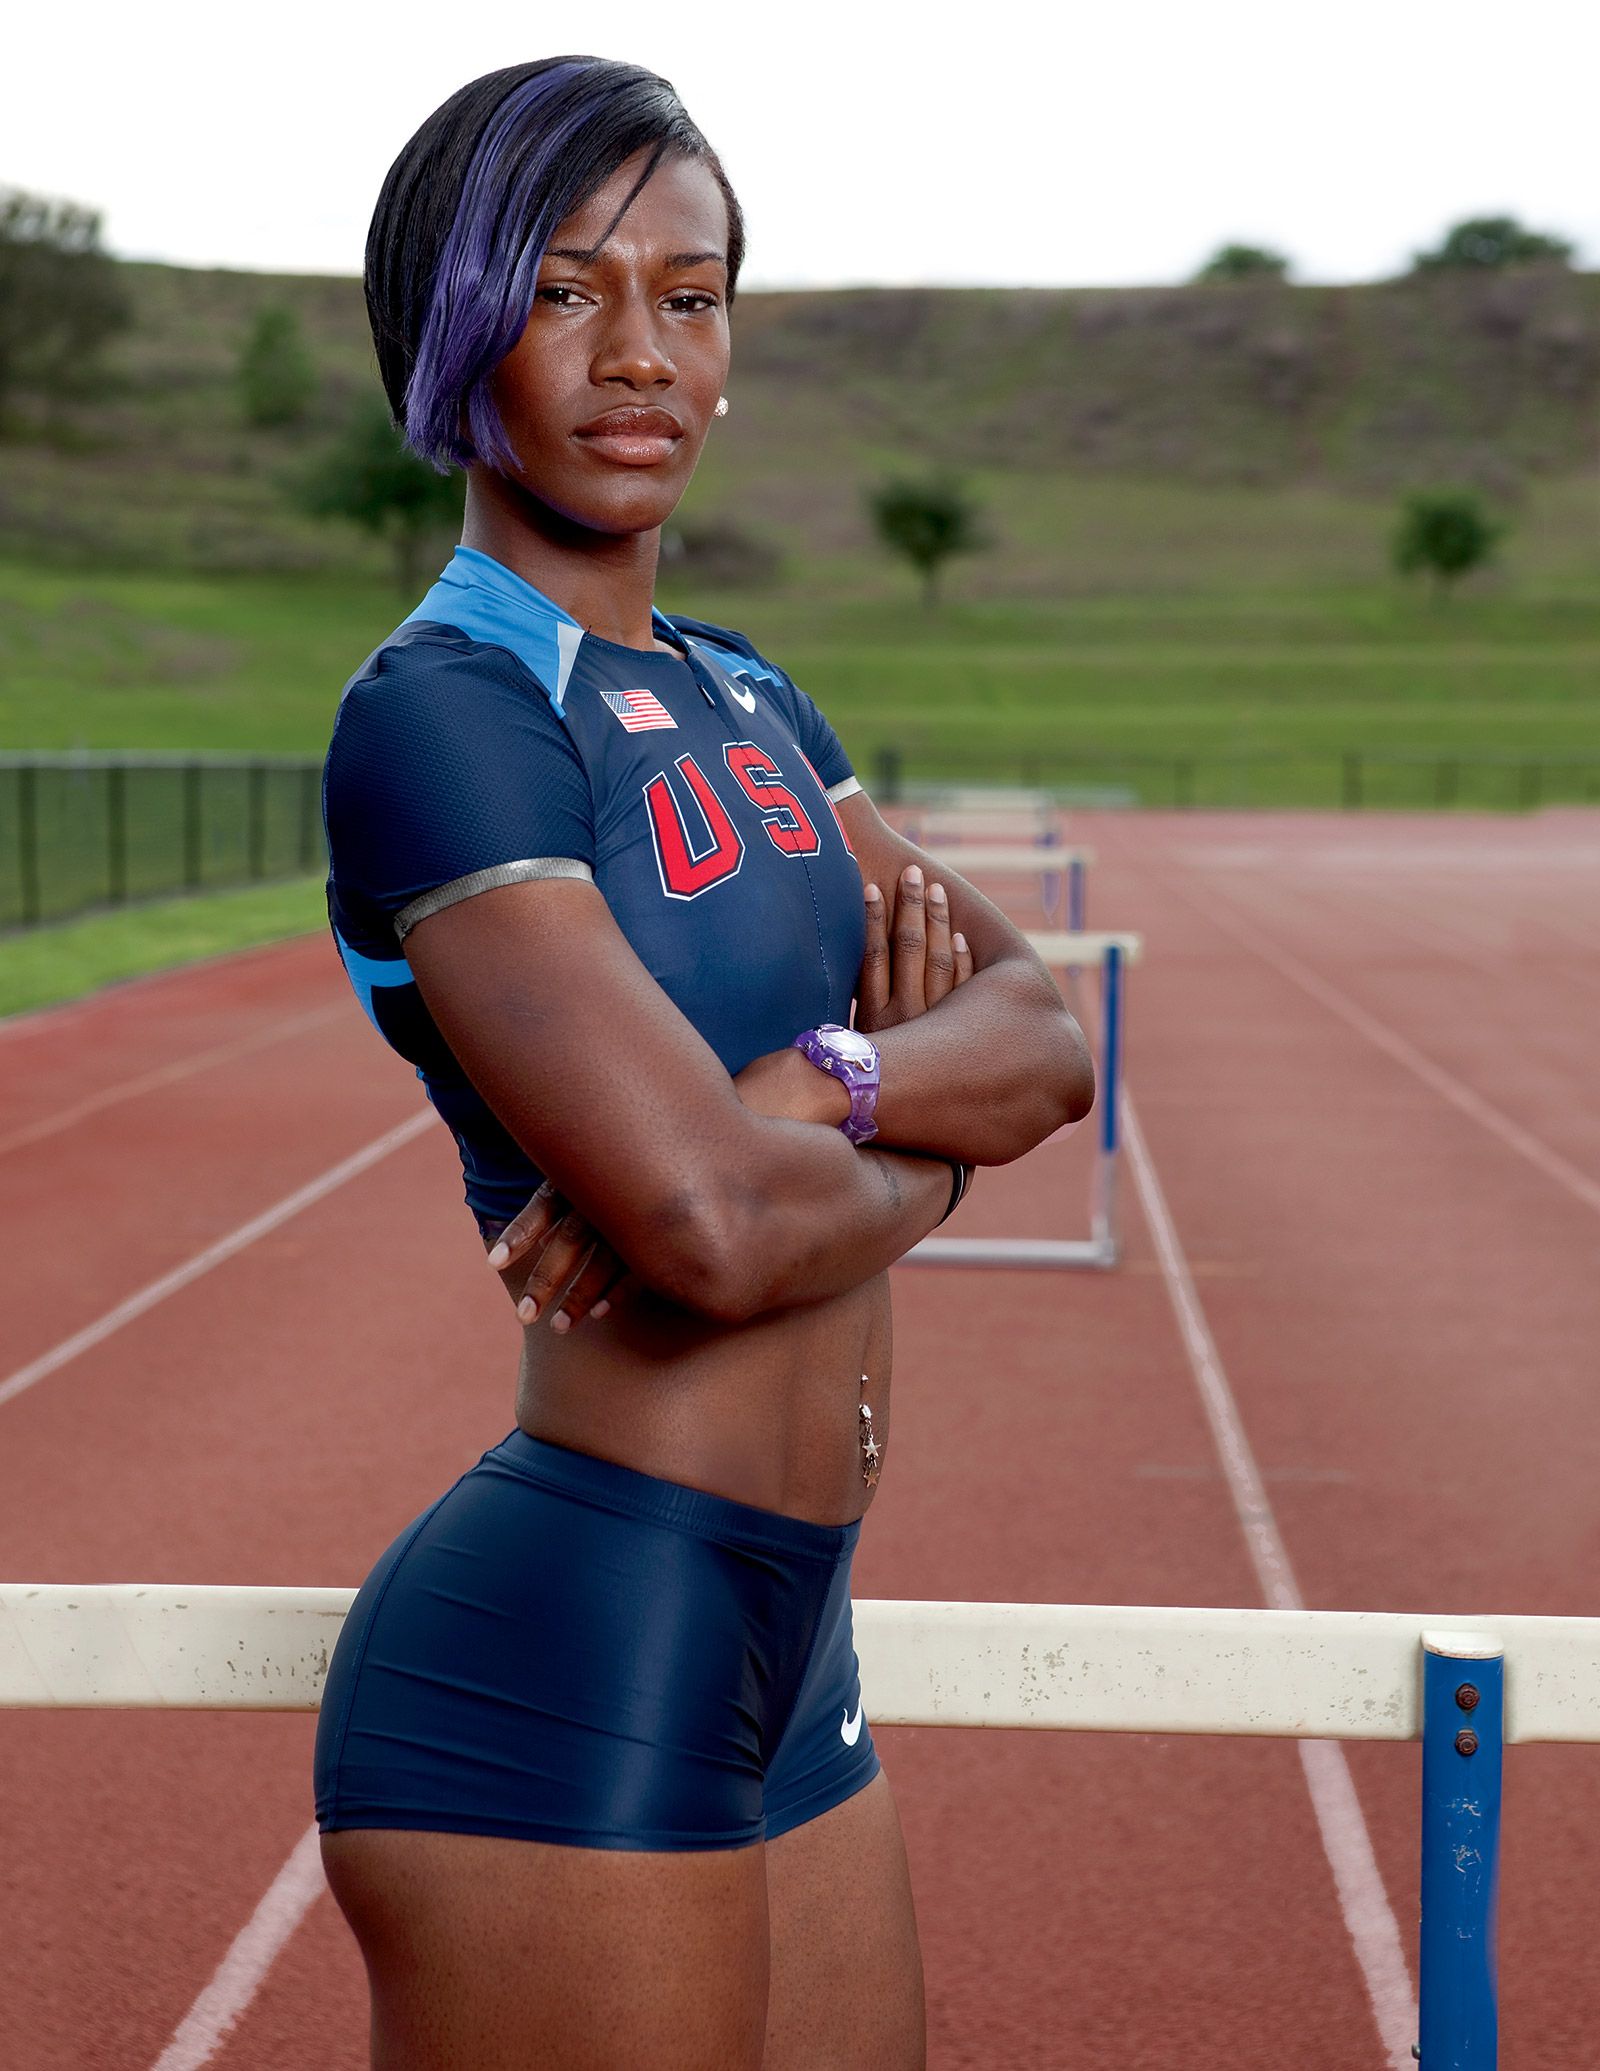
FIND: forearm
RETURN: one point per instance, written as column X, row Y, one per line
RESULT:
column 797, row 1244
column 995, row 1068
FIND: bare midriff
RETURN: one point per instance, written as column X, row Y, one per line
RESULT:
column 765, row 1412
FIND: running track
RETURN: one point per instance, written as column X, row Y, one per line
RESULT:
column 1362, row 1054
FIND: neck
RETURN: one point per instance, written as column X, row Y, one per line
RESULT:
column 606, row 581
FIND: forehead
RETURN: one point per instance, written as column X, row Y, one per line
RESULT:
column 679, row 208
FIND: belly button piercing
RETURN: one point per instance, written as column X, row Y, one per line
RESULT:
column 871, row 1451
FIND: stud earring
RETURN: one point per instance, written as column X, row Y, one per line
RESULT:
column 722, row 406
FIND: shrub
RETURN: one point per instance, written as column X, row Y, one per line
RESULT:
column 1243, row 262
column 1444, row 534
column 1491, row 241
column 925, row 522
column 277, row 379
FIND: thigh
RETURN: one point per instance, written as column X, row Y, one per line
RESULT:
column 488, row 1954
column 846, row 1972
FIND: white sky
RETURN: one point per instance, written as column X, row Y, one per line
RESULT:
column 1092, row 141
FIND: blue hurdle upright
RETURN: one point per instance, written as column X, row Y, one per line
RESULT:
column 1111, row 954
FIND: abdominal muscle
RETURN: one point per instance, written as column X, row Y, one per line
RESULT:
column 765, row 1412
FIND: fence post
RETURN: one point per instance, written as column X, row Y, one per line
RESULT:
column 116, row 833
column 1463, row 1711
column 256, row 840
column 888, row 773
column 1353, row 774
column 308, row 813
column 191, row 826
column 28, row 842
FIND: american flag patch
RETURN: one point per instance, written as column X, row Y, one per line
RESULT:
column 639, row 710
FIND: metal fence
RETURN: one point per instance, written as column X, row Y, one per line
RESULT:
column 86, row 830
column 1350, row 780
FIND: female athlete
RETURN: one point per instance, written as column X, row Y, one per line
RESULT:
column 593, row 1775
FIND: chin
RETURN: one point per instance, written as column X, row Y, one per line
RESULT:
column 629, row 506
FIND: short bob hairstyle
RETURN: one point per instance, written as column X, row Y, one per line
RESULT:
column 464, row 217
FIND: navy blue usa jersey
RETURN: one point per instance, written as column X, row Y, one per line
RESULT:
column 490, row 740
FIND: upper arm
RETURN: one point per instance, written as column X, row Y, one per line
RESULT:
column 461, row 824
column 595, row 1072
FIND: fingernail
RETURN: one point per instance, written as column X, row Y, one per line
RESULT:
column 936, row 894
column 913, row 874
column 528, row 1309
column 873, row 895
column 500, row 1256
column 560, row 1321
column 959, row 942
column 600, row 1309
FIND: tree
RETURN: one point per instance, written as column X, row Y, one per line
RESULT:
column 277, row 378
column 1490, row 241
column 370, row 477
column 1243, row 262
column 926, row 521
column 1444, row 533
column 60, row 297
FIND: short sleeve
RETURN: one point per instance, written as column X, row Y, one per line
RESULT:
column 449, row 772
column 822, row 746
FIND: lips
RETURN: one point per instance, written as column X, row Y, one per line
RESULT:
column 632, row 436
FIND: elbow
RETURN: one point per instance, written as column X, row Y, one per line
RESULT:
column 1055, row 1089
column 705, row 1258
column 1073, row 1080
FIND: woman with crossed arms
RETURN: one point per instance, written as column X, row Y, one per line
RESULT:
column 594, row 1779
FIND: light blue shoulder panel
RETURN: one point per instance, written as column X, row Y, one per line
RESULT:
column 482, row 598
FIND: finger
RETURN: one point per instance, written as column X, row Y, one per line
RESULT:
column 963, row 958
column 939, row 970
column 528, row 1228
column 908, row 943
column 872, row 987
column 601, row 1272
column 569, row 1245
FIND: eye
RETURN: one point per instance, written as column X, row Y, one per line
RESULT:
column 558, row 295
column 692, row 301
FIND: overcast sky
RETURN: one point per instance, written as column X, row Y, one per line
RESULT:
column 1112, row 142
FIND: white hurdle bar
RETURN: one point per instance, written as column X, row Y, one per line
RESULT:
column 1050, row 862
column 1092, row 1668
column 1101, row 1248
column 1464, row 1688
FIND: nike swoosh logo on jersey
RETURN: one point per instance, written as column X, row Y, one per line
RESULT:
column 850, row 1729
column 747, row 698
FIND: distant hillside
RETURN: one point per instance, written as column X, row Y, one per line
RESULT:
column 1492, row 379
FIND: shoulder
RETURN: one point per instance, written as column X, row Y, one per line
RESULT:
column 431, row 687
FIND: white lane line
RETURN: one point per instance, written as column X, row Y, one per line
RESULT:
column 214, row 1255
column 165, row 1075
column 1368, row 1917
column 288, row 1898
column 1393, row 1044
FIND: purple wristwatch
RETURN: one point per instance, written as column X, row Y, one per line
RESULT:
column 851, row 1058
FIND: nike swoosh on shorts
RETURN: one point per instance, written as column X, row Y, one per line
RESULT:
column 850, row 1728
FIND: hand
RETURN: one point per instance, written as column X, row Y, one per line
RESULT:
column 912, row 960
column 563, row 1248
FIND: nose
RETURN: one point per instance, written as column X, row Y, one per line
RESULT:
column 633, row 351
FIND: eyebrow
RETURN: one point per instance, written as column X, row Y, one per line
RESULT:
column 676, row 261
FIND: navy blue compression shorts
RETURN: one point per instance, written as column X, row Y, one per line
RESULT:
column 561, row 1649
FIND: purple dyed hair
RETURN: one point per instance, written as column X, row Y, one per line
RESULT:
column 466, row 212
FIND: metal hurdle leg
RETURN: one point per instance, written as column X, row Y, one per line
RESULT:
column 1463, row 1733
column 1101, row 1248
column 1103, row 1210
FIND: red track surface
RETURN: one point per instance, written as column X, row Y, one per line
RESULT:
column 1363, row 1053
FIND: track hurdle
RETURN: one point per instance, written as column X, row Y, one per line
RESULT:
column 1465, row 1688
column 1051, row 862
column 1102, row 1247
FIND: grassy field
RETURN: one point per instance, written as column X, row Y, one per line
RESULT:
column 62, row 963
column 1181, row 622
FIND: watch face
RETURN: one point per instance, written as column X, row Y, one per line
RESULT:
column 849, row 1044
